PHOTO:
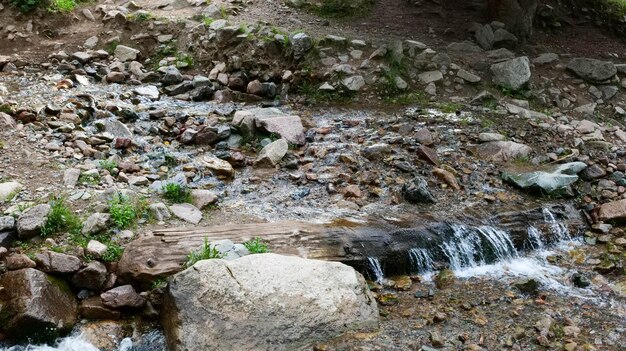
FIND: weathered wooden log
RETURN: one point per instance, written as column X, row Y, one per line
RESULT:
column 164, row 252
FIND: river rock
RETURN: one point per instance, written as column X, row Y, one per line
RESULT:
column 92, row 308
column 9, row 189
column 125, row 53
column 36, row 306
column 117, row 129
column 96, row 223
column 218, row 166
column 353, row 83
column 29, row 224
column 271, row 120
column 187, row 212
column 203, row 198
column 96, row 249
column 484, row 37
column 548, row 182
column 291, row 302
column 417, row 191
column 91, row 277
column 57, row 263
column 160, row 211
column 122, row 296
column 614, row 212
column 104, row 335
column 512, row 74
column 7, row 223
column 19, row 261
column 591, row 69
column 502, row 151
column 301, row 44
column 272, row 153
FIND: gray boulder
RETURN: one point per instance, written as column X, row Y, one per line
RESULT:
column 96, row 223
column 36, row 305
column 502, row 151
column 125, row 53
column 91, row 277
column 547, row 182
column 30, row 223
column 484, row 37
column 122, row 296
column 57, row 263
column 271, row 120
column 417, row 192
column 9, row 189
column 591, row 69
column 265, row 302
column 187, row 212
column 272, row 153
column 512, row 74
column 301, row 44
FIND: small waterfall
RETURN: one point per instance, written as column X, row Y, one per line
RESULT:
column 376, row 269
column 534, row 238
column 421, row 260
column 559, row 231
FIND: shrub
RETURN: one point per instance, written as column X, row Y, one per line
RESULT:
column 108, row 165
column 255, row 246
column 206, row 252
column 27, row 5
column 113, row 253
column 64, row 5
column 60, row 218
column 176, row 193
column 123, row 212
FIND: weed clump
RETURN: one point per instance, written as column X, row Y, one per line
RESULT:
column 206, row 252
column 256, row 246
column 61, row 218
column 176, row 193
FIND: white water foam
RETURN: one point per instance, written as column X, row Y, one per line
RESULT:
column 71, row 343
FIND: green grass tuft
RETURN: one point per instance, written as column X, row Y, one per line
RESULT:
column 125, row 211
column 61, row 218
column 108, row 165
column 206, row 252
column 176, row 193
column 255, row 246
column 113, row 253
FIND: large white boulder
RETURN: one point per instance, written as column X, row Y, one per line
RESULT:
column 265, row 302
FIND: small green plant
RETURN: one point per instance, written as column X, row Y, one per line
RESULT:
column 224, row 12
column 160, row 283
column 522, row 161
column 1, row 144
column 89, row 179
column 206, row 252
column 63, row 5
column 60, row 218
column 207, row 20
column 449, row 107
column 108, row 165
column 123, row 211
column 255, row 246
column 111, row 46
column 27, row 5
column 184, row 60
column 140, row 16
column 176, row 193
column 113, row 253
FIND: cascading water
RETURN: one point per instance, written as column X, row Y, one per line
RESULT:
column 559, row 231
column 534, row 239
column 376, row 269
column 421, row 260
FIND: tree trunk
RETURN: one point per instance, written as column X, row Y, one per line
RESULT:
column 517, row 15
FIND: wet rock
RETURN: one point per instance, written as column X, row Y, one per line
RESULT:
column 417, row 192
column 272, row 153
column 376, row 151
column 301, row 295
column 203, row 198
column 187, row 212
column 117, row 129
column 444, row 279
column 29, row 224
column 96, row 223
column 104, row 335
column 613, row 212
column 218, row 166
column 122, row 296
column 92, row 308
column 591, row 69
column 19, row 261
column 9, row 189
column 580, row 280
column 57, row 263
column 91, row 277
column 149, row 91
column 37, row 306
column 427, row 154
column 528, row 286
column 512, row 74
column 424, row 137
column 502, row 151
column 593, row 172
column 548, row 182
column 125, row 53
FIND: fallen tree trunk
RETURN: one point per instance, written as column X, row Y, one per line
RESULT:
column 164, row 252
